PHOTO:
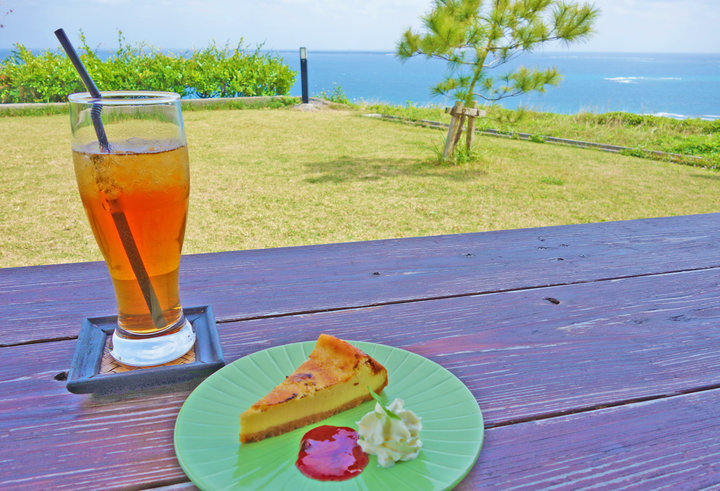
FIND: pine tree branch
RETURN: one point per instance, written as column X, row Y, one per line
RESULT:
column 474, row 37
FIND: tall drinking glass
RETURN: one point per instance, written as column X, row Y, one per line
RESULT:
column 131, row 165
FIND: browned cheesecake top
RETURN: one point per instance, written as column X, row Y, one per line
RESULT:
column 331, row 362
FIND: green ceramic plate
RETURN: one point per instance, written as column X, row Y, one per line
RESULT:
column 206, row 431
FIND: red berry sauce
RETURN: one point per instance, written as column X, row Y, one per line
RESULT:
column 331, row 453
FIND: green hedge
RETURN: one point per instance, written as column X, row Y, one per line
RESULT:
column 208, row 72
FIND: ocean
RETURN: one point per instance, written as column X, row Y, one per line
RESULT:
column 674, row 85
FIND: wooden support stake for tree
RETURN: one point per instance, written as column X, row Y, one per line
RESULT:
column 470, row 132
column 454, row 120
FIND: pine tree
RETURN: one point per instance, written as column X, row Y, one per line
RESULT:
column 477, row 37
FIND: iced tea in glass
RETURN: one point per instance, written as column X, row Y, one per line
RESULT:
column 135, row 190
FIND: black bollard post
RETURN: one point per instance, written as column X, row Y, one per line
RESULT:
column 304, row 75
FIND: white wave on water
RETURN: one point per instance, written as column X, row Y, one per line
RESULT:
column 635, row 80
column 704, row 117
column 670, row 115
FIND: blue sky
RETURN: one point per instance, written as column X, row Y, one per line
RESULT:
column 624, row 25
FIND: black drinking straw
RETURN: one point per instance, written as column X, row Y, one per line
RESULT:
column 119, row 218
column 89, row 84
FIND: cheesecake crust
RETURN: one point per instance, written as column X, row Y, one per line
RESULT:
column 298, row 423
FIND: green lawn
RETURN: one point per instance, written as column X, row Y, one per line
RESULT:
column 268, row 178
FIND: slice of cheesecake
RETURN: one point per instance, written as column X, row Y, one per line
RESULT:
column 334, row 378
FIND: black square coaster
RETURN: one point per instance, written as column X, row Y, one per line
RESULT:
column 94, row 370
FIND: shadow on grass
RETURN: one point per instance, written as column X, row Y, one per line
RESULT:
column 346, row 168
column 714, row 177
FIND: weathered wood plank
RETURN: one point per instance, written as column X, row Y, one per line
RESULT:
column 662, row 444
column 522, row 355
column 49, row 302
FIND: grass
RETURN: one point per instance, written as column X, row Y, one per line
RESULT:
column 282, row 177
column 641, row 133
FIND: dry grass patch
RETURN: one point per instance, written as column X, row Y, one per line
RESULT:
column 279, row 178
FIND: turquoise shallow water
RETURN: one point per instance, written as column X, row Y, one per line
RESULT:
column 676, row 85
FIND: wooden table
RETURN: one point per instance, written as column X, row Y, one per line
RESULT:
column 593, row 350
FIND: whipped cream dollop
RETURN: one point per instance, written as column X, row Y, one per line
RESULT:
column 390, row 439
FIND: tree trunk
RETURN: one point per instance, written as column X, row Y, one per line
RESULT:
column 451, row 141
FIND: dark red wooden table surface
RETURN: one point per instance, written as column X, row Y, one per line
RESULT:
column 593, row 350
